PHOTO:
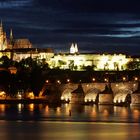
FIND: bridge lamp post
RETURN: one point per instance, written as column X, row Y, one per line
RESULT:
column 68, row 80
column 124, row 78
column 135, row 78
column 58, row 82
column 106, row 80
column 93, row 79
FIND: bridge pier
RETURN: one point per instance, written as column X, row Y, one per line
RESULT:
column 106, row 96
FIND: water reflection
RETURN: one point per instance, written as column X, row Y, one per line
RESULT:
column 69, row 112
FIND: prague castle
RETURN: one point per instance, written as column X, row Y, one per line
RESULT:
column 18, row 49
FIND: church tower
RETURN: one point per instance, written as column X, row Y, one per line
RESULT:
column 11, row 40
column 11, row 34
column 74, row 49
column 3, row 38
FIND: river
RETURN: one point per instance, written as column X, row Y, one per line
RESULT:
column 66, row 121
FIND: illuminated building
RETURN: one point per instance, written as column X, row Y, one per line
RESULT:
column 22, row 43
column 3, row 39
column 78, row 61
column 99, row 61
column 18, row 49
column 35, row 53
column 73, row 48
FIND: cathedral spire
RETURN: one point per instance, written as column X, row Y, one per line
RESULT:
column 1, row 24
column 76, row 48
column 72, row 49
column 11, row 34
column 1, row 28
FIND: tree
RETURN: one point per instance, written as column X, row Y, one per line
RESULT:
column 89, row 68
column 71, row 65
column 5, row 61
column 133, row 65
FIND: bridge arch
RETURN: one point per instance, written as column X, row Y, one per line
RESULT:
column 122, row 98
column 66, row 94
column 92, row 95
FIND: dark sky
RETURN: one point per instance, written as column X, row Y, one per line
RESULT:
column 96, row 25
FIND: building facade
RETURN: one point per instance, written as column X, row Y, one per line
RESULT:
column 18, row 49
column 76, row 61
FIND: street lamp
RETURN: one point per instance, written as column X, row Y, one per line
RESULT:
column 68, row 80
column 136, row 78
column 58, row 81
column 93, row 79
column 124, row 78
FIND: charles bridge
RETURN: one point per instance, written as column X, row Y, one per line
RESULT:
column 118, row 92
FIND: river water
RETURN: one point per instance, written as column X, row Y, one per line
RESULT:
column 67, row 121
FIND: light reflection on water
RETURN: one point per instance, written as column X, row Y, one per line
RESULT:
column 67, row 121
column 69, row 112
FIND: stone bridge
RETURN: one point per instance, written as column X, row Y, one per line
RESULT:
column 120, row 90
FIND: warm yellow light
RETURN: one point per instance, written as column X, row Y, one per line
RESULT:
column 31, row 107
column 19, row 107
column 2, row 94
column 19, row 96
column 124, row 78
column 68, row 80
column 114, row 101
column 136, row 78
column 2, row 107
column 134, row 85
column 31, row 95
column 47, row 81
column 119, row 101
column 93, row 79
column 13, row 70
column 89, row 99
column 47, row 109
column 106, row 80
column 58, row 81
column 66, row 99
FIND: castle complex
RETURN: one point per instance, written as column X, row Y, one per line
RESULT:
column 18, row 49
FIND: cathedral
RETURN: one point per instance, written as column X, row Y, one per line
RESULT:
column 11, row 43
column 18, row 49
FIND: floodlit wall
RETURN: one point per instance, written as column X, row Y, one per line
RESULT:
column 101, row 62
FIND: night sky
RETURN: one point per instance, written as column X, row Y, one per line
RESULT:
column 97, row 26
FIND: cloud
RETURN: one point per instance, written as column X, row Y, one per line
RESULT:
column 14, row 3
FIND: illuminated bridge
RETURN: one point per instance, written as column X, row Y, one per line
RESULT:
column 123, row 92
